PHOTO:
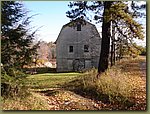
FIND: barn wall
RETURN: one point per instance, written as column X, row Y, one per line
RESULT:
column 69, row 36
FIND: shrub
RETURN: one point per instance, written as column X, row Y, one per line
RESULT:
column 143, row 51
column 13, row 83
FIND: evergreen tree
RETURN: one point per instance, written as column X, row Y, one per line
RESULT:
column 17, row 48
column 116, row 12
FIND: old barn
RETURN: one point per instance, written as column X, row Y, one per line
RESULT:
column 77, row 46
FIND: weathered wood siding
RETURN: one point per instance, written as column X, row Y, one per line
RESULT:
column 69, row 36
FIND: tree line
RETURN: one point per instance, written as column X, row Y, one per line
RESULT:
column 45, row 53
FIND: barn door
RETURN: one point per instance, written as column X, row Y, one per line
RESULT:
column 78, row 64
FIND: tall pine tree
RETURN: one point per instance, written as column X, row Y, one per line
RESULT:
column 17, row 48
column 116, row 12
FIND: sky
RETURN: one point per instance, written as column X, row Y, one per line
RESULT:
column 51, row 16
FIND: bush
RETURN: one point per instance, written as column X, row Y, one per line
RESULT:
column 143, row 51
column 13, row 83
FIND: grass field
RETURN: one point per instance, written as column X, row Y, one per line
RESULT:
column 51, row 80
column 121, row 87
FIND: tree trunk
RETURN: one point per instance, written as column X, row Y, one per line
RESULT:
column 112, row 53
column 114, row 59
column 104, row 55
column 113, row 45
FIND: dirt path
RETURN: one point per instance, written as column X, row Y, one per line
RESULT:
column 59, row 99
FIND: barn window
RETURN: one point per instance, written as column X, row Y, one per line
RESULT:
column 86, row 48
column 70, row 48
column 78, row 27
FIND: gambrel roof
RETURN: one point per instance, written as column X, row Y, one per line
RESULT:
column 74, row 23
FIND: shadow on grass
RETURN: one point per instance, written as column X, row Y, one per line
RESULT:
column 39, row 70
column 42, row 70
column 50, row 92
column 90, row 91
column 78, row 87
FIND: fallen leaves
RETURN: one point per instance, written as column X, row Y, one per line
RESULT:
column 66, row 100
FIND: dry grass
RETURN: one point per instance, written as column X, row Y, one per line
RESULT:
column 32, row 102
column 119, row 85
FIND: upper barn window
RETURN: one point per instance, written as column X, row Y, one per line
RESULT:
column 86, row 48
column 70, row 48
column 78, row 27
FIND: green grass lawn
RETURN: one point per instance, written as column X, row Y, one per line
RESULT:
column 50, row 80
